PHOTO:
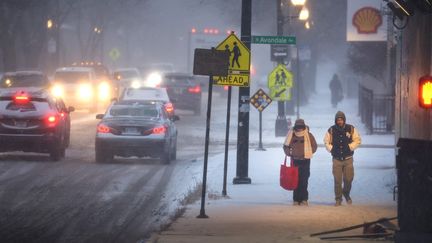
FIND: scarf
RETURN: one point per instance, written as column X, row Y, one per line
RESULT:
column 307, row 142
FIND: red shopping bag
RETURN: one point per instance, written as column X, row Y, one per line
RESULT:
column 288, row 176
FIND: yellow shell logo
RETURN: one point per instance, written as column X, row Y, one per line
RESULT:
column 367, row 20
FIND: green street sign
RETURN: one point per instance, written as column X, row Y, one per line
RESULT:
column 274, row 40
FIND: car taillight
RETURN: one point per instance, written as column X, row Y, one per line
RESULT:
column 195, row 90
column 21, row 99
column 169, row 107
column 226, row 87
column 51, row 120
column 159, row 130
column 103, row 128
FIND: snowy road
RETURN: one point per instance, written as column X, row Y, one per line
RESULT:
column 77, row 200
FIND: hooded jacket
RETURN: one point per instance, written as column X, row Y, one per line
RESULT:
column 342, row 141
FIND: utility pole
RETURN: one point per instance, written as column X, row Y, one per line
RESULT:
column 243, row 111
column 281, row 126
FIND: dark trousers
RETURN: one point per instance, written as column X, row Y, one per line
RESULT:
column 301, row 193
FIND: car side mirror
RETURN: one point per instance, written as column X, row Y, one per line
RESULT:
column 175, row 118
column 99, row 116
column 71, row 109
column 114, row 100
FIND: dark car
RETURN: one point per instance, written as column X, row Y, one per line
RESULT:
column 32, row 120
column 136, row 128
column 183, row 90
column 24, row 79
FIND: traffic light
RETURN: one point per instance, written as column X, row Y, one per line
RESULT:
column 425, row 92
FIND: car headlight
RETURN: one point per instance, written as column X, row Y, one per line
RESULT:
column 104, row 91
column 85, row 91
column 136, row 84
column 154, row 79
column 57, row 91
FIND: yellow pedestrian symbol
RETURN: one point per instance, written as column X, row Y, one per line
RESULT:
column 239, row 62
column 280, row 82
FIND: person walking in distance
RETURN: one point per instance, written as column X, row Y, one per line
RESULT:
column 237, row 54
column 341, row 140
column 336, row 90
column 300, row 145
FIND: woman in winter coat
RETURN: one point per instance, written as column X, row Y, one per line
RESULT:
column 300, row 144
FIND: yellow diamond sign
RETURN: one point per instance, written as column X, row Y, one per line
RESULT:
column 280, row 82
column 239, row 63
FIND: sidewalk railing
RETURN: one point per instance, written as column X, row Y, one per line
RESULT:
column 376, row 111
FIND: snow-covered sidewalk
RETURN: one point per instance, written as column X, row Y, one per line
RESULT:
column 263, row 212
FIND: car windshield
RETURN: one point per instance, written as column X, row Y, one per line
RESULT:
column 146, row 94
column 71, row 77
column 179, row 80
column 27, row 80
column 147, row 111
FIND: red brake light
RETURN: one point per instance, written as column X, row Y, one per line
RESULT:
column 103, row 128
column 169, row 107
column 195, row 90
column 21, row 99
column 159, row 130
column 226, row 87
column 52, row 119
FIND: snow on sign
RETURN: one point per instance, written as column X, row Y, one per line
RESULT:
column 280, row 82
column 239, row 63
column 260, row 100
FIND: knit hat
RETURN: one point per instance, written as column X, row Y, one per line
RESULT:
column 340, row 114
column 299, row 123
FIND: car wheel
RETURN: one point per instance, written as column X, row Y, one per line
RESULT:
column 197, row 110
column 174, row 151
column 103, row 156
column 165, row 157
column 67, row 139
column 57, row 153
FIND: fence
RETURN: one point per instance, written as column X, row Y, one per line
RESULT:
column 376, row 111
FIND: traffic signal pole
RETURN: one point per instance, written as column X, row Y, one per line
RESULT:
column 281, row 126
column 244, row 107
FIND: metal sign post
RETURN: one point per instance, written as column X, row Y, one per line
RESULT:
column 224, row 190
column 207, row 140
column 208, row 62
column 260, row 100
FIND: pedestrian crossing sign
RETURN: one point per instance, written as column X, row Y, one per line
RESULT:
column 239, row 63
column 280, row 82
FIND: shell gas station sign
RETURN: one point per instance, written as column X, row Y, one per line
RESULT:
column 365, row 21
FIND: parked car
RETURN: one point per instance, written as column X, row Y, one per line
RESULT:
column 32, row 120
column 25, row 79
column 136, row 128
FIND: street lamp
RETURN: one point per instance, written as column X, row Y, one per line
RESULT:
column 304, row 14
column 50, row 23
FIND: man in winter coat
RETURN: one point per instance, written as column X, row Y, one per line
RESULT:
column 341, row 140
column 300, row 144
